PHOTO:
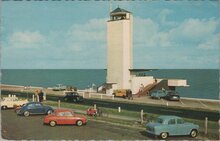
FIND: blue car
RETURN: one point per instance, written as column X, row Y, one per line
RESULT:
column 165, row 126
column 158, row 94
column 34, row 108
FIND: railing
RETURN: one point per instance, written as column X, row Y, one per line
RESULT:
column 147, row 88
column 96, row 95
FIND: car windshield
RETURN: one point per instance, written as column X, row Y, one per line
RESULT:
column 67, row 113
column 159, row 120
column 70, row 94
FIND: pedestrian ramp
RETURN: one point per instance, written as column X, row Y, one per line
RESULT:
column 146, row 89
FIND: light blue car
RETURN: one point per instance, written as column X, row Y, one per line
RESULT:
column 165, row 126
column 158, row 94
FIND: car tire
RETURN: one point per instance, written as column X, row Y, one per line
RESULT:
column 194, row 133
column 4, row 107
column 49, row 112
column 79, row 123
column 26, row 113
column 52, row 123
column 164, row 135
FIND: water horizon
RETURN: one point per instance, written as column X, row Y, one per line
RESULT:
column 204, row 83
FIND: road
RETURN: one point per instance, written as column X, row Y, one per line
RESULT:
column 18, row 127
column 154, row 109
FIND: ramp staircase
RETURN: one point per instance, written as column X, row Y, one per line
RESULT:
column 146, row 89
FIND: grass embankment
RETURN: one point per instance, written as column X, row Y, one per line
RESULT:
column 212, row 126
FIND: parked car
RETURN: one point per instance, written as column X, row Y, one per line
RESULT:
column 166, row 94
column 120, row 93
column 165, row 126
column 34, row 108
column 64, row 116
column 59, row 87
column 172, row 95
column 12, row 102
column 72, row 97
column 158, row 94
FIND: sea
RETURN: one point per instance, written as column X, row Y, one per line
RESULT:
column 204, row 83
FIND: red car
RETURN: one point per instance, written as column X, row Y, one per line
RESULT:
column 64, row 116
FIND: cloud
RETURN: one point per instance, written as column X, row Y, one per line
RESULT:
column 194, row 30
column 145, row 32
column 211, row 44
column 83, row 45
column 80, row 46
column 92, row 31
column 162, row 16
column 191, row 32
column 24, row 39
column 188, row 45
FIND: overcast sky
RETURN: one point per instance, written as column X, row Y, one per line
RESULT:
column 72, row 35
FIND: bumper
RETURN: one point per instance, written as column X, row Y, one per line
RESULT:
column 152, row 133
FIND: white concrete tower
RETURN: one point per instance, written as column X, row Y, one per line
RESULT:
column 119, row 42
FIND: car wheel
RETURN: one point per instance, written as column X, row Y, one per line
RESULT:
column 79, row 123
column 164, row 135
column 4, row 107
column 52, row 123
column 26, row 113
column 193, row 133
column 49, row 112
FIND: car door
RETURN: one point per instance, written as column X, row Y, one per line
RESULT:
column 31, row 108
column 69, row 118
column 39, row 108
column 182, row 127
column 172, row 127
column 61, row 119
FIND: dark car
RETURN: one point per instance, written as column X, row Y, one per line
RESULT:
column 34, row 108
column 73, row 97
column 172, row 95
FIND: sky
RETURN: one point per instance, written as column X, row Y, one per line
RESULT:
column 72, row 34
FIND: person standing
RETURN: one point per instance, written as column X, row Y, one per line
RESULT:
column 41, row 96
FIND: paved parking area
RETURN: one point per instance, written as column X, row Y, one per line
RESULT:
column 31, row 128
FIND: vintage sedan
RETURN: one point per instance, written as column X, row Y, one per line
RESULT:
column 172, row 95
column 72, row 97
column 166, row 94
column 165, row 126
column 64, row 116
column 158, row 94
column 34, row 108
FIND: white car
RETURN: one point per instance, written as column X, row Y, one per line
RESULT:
column 12, row 102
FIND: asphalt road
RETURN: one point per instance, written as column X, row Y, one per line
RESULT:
column 161, row 110
column 18, row 127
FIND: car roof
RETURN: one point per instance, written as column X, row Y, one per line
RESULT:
column 166, row 117
column 34, row 103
